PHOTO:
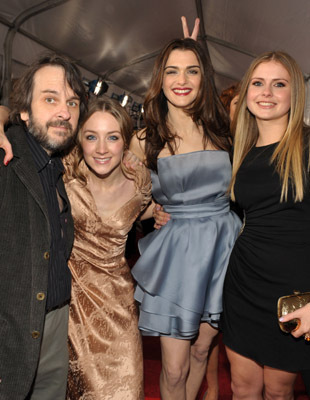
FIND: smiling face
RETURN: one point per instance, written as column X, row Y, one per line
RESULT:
column 269, row 92
column 102, row 144
column 182, row 77
column 55, row 110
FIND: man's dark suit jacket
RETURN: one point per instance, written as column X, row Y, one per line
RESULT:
column 24, row 259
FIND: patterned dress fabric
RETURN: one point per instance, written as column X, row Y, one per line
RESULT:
column 104, row 341
column 270, row 259
column 181, row 270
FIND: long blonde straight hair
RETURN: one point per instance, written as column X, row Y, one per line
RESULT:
column 288, row 155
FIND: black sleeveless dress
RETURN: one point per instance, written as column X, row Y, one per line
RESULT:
column 271, row 258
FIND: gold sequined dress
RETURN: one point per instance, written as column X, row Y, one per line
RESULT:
column 104, row 341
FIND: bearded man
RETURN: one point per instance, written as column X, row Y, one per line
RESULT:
column 36, row 232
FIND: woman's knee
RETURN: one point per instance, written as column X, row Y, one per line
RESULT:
column 200, row 352
column 243, row 389
column 275, row 392
column 279, row 384
column 175, row 373
column 200, row 349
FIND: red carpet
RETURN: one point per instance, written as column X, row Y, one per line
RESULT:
column 152, row 367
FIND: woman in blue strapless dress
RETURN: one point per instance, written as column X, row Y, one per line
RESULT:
column 181, row 270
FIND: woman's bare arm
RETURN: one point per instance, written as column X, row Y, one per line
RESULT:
column 137, row 145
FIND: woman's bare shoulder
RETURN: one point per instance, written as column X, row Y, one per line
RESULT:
column 137, row 144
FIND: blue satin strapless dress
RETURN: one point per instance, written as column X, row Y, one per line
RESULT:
column 182, row 266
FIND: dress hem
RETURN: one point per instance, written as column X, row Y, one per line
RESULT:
column 264, row 364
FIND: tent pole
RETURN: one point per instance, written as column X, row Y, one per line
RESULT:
column 202, row 32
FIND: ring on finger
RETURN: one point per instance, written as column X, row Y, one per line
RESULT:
column 307, row 337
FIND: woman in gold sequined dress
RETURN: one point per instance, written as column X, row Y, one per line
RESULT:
column 104, row 342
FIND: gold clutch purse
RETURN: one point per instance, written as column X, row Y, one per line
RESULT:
column 288, row 304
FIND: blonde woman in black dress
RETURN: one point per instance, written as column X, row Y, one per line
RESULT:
column 270, row 258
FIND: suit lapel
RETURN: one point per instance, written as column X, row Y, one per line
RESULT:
column 26, row 170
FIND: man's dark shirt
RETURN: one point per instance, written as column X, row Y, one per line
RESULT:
column 50, row 170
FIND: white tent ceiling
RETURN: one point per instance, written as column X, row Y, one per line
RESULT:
column 118, row 39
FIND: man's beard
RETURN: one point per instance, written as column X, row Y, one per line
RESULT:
column 40, row 133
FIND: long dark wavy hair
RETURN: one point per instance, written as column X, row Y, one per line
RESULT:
column 206, row 111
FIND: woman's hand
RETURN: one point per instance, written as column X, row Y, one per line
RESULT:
column 303, row 314
column 195, row 32
column 4, row 143
column 6, row 146
column 130, row 160
column 160, row 216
